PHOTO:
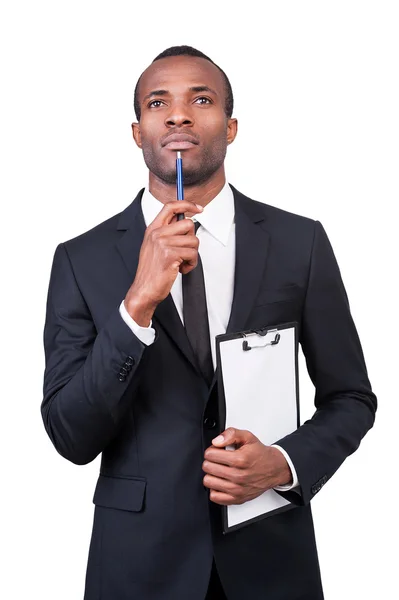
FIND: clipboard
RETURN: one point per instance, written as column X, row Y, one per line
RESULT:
column 258, row 390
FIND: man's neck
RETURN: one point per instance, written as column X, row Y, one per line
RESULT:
column 202, row 194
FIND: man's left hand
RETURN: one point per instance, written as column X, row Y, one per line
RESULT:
column 236, row 476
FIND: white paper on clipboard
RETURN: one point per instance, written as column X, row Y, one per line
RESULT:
column 261, row 395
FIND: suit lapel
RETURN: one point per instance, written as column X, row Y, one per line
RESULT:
column 252, row 241
column 132, row 222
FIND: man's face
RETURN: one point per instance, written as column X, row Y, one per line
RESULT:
column 183, row 96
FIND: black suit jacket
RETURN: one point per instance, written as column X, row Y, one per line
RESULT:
column 143, row 407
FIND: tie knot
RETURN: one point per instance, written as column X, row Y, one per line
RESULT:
column 196, row 225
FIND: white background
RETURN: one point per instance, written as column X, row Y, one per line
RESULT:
column 316, row 96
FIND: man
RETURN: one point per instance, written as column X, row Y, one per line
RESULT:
column 132, row 314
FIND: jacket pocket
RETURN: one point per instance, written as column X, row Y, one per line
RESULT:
column 120, row 492
column 289, row 293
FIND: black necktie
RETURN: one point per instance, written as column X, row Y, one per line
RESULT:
column 195, row 316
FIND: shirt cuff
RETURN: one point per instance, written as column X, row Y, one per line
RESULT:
column 145, row 334
column 295, row 482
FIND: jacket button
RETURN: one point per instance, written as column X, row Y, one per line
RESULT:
column 130, row 361
column 123, row 371
column 122, row 377
column 209, row 423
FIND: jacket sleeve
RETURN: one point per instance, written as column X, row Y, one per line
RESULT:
column 90, row 376
column 345, row 404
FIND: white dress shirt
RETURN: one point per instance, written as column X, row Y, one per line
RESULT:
column 217, row 249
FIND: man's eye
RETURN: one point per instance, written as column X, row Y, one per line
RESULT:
column 204, row 98
column 152, row 102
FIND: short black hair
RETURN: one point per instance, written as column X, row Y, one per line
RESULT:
column 188, row 51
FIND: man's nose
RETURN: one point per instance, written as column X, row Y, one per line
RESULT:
column 179, row 115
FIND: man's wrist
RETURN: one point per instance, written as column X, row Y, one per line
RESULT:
column 140, row 310
column 284, row 472
column 294, row 483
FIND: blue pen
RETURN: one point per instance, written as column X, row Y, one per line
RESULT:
column 179, row 182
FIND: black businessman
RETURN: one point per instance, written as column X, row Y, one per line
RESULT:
column 133, row 309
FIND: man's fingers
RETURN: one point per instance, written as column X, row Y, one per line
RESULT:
column 233, row 436
column 177, row 228
column 182, row 227
column 220, row 485
column 233, row 474
column 234, row 459
column 222, row 498
column 171, row 209
column 178, row 241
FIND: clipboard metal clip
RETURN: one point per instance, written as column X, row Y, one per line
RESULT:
column 246, row 346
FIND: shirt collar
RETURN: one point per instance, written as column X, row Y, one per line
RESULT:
column 217, row 216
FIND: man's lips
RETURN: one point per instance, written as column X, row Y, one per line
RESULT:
column 179, row 141
column 179, row 145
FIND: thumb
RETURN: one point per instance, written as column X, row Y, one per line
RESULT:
column 232, row 436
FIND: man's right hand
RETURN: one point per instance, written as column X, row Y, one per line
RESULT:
column 169, row 247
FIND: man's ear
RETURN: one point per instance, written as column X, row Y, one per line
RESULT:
column 136, row 133
column 232, row 125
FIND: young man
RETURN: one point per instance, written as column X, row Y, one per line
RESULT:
column 132, row 314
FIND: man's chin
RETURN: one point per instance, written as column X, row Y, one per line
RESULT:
column 193, row 174
column 190, row 177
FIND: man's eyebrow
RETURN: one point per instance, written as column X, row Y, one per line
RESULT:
column 202, row 88
column 155, row 93
column 195, row 88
